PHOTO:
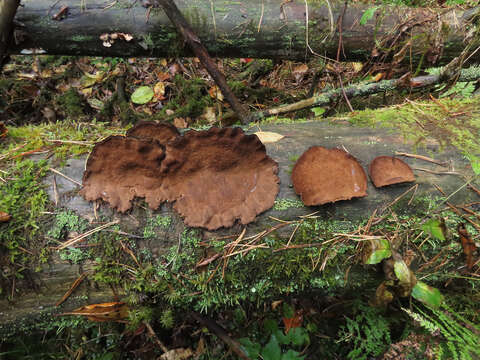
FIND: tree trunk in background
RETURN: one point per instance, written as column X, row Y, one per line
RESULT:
column 28, row 307
column 7, row 12
column 249, row 28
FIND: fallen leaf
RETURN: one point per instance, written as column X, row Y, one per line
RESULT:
column 293, row 322
column 3, row 130
column 268, row 137
column 159, row 89
column 299, row 71
column 427, row 294
column 468, row 245
column 112, row 311
column 436, row 228
column 142, row 95
column 180, row 123
column 215, row 93
column 383, row 295
column 376, row 250
column 209, row 114
column 4, row 217
column 177, row 354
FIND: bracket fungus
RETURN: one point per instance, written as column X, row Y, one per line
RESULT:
column 215, row 177
column 149, row 130
column 120, row 168
column 388, row 170
column 219, row 176
column 324, row 175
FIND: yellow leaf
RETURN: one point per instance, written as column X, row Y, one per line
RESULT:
column 357, row 66
column 159, row 89
column 268, row 137
column 215, row 93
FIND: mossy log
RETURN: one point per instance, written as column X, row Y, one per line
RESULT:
column 268, row 29
column 30, row 306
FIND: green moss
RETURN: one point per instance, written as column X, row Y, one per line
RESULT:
column 71, row 103
column 285, row 204
column 417, row 122
column 153, row 223
column 23, row 198
column 190, row 99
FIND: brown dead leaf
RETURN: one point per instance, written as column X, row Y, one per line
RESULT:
column 177, row 354
column 215, row 93
column 4, row 217
column 3, row 130
column 468, row 245
column 209, row 115
column 112, row 311
column 293, row 322
column 267, row 137
column 299, row 71
column 180, row 123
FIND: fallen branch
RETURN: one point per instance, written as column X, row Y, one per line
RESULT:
column 469, row 74
column 201, row 52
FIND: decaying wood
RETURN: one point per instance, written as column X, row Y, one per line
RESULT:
column 329, row 97
column 7, row 12
column 363, row 143
column 274, row 29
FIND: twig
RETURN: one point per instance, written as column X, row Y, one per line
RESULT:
column 155, row 337
column 201, row 52
column 437, row 172
column 222, row 334
column 474, row 189
column 72, row 289
column 65, row 176
column 261, row 18
column 421, row 157
column 76, row 142
column 86, row 234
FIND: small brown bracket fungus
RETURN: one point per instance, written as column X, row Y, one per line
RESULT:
column 120, row 168
column 323, row 175
column 388, row 170
column 149, row 130
column 218, row 176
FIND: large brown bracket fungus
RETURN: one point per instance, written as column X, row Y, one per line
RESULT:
column 120, row 168
column 215, row 177
column 388, row 170
column 218, row 176
column 323, row 175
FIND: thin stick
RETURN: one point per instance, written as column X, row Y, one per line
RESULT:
column 86, row 234
column 72, row 289
column 261, row 18
column 421, row 157
column 65, row 176
column 155, row 337
column 437, row 172
column 75, row 142
column 222, row 334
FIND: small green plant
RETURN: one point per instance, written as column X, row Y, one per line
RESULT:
column 368, row 332
column 279, row 345
column 153, row 223
column 458, row 338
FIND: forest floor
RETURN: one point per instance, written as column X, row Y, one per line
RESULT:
column 56, row 108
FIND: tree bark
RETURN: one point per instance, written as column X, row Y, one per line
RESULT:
column 250, row 28
column 7, row 13
column 25, row 310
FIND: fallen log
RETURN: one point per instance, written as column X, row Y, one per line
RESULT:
column 269, row 29
column 32, row 308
